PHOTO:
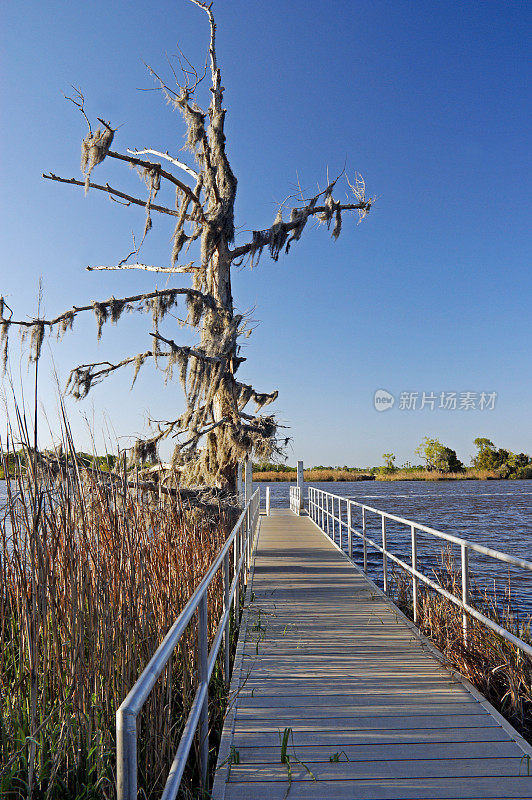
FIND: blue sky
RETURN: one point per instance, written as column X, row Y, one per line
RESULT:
column 429, row 101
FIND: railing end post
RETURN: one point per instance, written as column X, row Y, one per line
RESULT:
column 126, row 755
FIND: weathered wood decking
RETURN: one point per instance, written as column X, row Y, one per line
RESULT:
column 324, row 653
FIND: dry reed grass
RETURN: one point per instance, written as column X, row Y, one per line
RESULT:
column 498, row 669
column 331, row 475
column 312, row 475
column 91, row 579
column 433, row 475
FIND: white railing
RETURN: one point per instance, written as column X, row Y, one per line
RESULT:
column 295, row 499
column 241, row 541
column 325, row 509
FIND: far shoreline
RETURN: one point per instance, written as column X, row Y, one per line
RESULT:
column 344, row 476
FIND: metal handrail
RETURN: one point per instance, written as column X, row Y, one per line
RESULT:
column 242, row 539
column 295, row 499
column 322, row 512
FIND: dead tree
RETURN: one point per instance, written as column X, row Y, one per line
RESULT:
column 215, row 431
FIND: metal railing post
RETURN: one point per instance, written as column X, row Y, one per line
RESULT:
column 349, row 530
column 465, row 590
column 203, row 674
column 239, row 484
column 126, row 756
column 384, row 559
column 364, row 542
column 248, row 542
column 414, row 579
column 227, row 603
column 248, row 479
column 300, row 485
column 267, row 501
column 236, row 559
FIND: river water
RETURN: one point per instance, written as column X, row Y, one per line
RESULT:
column 493, row 513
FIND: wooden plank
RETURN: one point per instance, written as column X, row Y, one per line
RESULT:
column 360, row 737
column 371, row 770
column 389, row 722
column 307, row 687
column 379, row 752
column 318, row 708
column 492, row 788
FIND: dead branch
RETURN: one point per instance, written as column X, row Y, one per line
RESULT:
column 212, row 44
column 165, row 155
column 146, row 267
column 79, row 102
column 188, row 351
column 109, row 304
column 267, row 237
column 187, row 191
column 84, row 377
column 110, row 191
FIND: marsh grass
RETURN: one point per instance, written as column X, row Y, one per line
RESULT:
column 92, row 576
column 434, row 475
column 498, row 669
column 313, row 475
column 343, row 475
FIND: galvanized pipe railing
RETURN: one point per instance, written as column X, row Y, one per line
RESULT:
column 242, row 540
column 321, row 511
column 295, row 499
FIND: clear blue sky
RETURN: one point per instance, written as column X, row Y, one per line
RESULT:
column 428, row 100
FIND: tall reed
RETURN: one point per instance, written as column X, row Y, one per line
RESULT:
column 92, row 575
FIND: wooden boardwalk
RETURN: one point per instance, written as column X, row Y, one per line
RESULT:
column 374, row 713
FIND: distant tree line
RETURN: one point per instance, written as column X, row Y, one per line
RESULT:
column 440, row 458
column 18, row 460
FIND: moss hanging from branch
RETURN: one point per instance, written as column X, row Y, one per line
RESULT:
column 4, row 342
column 66, row 324
column 94, row 148
column 100, row 312
column 36, row 340
column 144, row 451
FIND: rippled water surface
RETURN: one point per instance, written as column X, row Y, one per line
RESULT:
column 493, row 513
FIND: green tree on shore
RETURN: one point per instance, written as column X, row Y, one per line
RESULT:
column 438, row 457
column 389, row 464
column 506, row 463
